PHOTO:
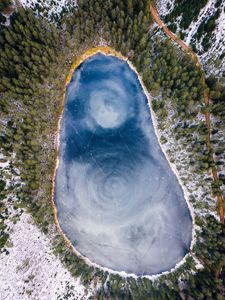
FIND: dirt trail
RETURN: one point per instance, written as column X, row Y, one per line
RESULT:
column 185, row 48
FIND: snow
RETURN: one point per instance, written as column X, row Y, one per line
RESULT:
column 29, row 269
column 51, row 8
column 165, row 7
column 217, row 48
column 175, row 151
column 35, row 260
column 204, row 14
column 209, row 59
column 219, row 138
column 4, row 163
column 32, row 271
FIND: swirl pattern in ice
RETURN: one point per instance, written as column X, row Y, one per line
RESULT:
column 118, row 200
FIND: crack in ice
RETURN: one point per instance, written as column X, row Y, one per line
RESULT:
column 117, row 198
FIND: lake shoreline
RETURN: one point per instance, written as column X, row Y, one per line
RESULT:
column 106, row 50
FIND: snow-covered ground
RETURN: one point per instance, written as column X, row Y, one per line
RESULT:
column 218, row 142
column 48, row 8
column 197, row 186
column 32, row 271
column 29, row 269
column 210, row 58
column 165, row 7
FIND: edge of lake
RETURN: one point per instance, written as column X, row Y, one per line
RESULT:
column 106, row 50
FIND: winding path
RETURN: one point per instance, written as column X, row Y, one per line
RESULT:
column 185, row 48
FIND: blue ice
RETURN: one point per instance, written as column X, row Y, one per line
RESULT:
column 118, row 200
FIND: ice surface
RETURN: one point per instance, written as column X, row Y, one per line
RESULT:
column 117, row 198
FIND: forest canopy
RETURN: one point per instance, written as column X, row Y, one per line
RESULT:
column 35, row 57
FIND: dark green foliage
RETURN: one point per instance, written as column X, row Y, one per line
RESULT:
column 210, row 249
column 30, row 44
column 3, row 212
column 5, row 4
column 203, row 285
column 27, row 50
column 34, row 57
column 189, row 9
column 2, row 185
column 112, row 21
column 2, row 19
column 217, row 96
column 3, row 239
column 206, row 28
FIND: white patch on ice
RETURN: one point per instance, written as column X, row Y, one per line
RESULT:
column 122, row 187
column 108, row 111
column 107, row 115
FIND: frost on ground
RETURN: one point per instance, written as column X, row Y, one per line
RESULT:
column 48, row 8
column 29, row 269
column 218, row 143
column 211, row 59
column 165, row 6
column 32, row 271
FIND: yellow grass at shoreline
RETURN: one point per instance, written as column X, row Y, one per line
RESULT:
column 77, row 62
column 90, row 52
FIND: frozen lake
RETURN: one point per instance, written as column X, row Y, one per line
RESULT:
column 118, row 200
